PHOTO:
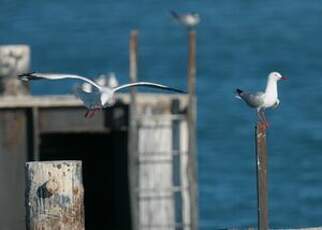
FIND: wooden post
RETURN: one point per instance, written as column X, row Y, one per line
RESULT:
column 54, row 195
column 133, row 139
column 14, row 59
column 261, row 173
column 192, row 107
column 13, row 154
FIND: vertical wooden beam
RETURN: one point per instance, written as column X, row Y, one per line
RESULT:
column 133, row 139
column 261, row 173
column 33, row 134
column 36, row 136
column 192, row 70
column 13, row 152
column 133, row 57
column 192, row 108
column 176, row 166
column 54, row 195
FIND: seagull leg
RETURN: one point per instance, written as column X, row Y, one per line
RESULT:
column 91, row 114
column 87, row 113
column 261, row 117
column 94, row 111
column 264, row 119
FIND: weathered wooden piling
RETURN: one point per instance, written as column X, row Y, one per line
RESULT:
column 54, row 195
column 261, row 173
column 14, row 59
column 192, row 149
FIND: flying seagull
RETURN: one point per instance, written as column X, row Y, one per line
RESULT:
column 263, row 100
column 100, row 97
column 189, row 20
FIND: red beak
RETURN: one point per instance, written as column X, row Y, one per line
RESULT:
column 283, row 78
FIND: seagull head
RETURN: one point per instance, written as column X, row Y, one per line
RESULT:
column 196, row 17
column 276, row 76
column 195, row 14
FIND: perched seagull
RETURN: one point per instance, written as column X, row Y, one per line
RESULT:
column 100, row 97
column 263, row 100
column 189, row 20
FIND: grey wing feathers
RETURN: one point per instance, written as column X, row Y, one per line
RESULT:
column 253, row 100
column 149, row 84
column 90, row 100
column 54, row 76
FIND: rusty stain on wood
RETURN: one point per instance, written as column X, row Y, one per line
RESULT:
column 54, row 201
column 261, row 173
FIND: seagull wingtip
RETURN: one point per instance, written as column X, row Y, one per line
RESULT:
column 182, row 91
column 25, row 76
column 174, row 14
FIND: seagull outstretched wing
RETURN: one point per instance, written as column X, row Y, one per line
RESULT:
column 148, row 84
column 54, row 76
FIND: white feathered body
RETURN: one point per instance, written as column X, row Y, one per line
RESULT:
column 271, row 94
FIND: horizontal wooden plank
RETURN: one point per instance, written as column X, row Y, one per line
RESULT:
column 53, row 120
column 71, row 101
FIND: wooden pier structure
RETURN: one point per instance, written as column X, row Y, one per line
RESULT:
column 138, row 157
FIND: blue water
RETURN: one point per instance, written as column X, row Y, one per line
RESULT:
column 239, row 43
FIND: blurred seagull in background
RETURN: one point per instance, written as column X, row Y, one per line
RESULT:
column 86, row 87
column 107, row 80
column 263, row 100
column 112, row 81
column 100, row 96
column 189, row 20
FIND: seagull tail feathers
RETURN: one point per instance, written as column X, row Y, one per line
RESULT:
column 238, row 93
column 174, row 14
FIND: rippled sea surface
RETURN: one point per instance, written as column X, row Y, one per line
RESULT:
column 239, row 43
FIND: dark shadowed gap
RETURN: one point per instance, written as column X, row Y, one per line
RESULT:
column 105, row 174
